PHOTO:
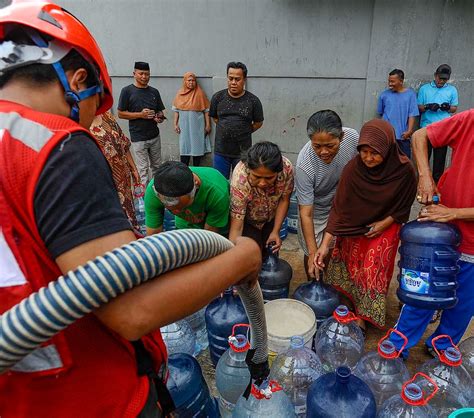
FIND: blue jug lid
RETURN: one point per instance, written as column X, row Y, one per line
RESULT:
column 387, row 347
column 342, row 310
column 297, row 341
column 413, row 392
column 453, row 355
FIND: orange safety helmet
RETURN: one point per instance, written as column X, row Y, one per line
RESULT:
column 52, row 20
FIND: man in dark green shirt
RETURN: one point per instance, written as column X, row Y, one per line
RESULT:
column 197, row 196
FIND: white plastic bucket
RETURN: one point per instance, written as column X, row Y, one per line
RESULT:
column 286, row 318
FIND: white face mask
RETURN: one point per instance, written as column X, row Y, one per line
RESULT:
column 169, row 201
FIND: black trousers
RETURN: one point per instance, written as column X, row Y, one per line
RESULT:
column 187, row 158
column 439, row 160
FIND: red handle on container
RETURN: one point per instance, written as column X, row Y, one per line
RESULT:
column 396, row 354
column 272, row 384
column 351, row 316
column 422, row 401
column 442, row 356
column 232, row 336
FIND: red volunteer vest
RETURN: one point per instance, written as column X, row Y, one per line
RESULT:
column 86, row 370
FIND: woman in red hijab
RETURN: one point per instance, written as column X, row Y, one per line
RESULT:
column 191, row 120
column 372, row 201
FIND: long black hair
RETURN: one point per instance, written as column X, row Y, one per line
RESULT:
column 266, row 154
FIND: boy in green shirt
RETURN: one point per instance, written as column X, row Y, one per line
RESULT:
column 197, row 196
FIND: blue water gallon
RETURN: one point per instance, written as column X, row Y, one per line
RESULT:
column 168, row 221
column 275, row 276
column 340, row 394
column 428, row 265
column 284, row 229
column 275, row 404
column 221, row 315
column 293, row 214
column 139, row 203
column 197, row 321
column 322, row 298
column 383, row 370
column 179, row 337
column 232, row 372
column 189, row 389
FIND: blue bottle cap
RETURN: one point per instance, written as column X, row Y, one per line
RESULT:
column 413, row 392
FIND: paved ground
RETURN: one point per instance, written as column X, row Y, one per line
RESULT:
column 293, row 254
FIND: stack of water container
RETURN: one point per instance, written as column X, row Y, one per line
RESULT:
column 139, row 203
column 336, row 380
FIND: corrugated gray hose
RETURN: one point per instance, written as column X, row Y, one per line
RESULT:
column 44, row 313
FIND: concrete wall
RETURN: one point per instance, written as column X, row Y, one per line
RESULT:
column 302, row 55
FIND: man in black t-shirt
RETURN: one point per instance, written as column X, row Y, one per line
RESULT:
column 237, row 113
column 142, row 106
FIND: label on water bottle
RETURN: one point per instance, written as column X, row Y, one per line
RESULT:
column 293, row 223
column 415, row 281
column 300, row 409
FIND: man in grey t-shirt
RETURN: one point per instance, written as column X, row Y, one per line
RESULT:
column 318, row 169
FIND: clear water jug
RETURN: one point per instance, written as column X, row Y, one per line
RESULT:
column 409, row 403
column 197, row 321
column 383, row 370
column 293, row 219
column 232, row 373
column 340, row 394
column 467, row 351
column 267, row 400
column 323, row 299
column 428, row 265
column 188, row 388
column 275, row 276
column 221, row 315
column 452, row 379
column 339, row 341
column 139, row 203
column 295, row 371
column 179, row 337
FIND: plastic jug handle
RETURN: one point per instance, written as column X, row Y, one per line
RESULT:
column 233, row 338
column 422, row 401
column 267, row 391
column 351, row 316
column 441, row 356
column 396, row 354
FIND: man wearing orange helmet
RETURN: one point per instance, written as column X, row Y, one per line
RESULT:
column 53, row 182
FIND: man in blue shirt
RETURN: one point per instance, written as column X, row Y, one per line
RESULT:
column 397, row 105
column 437, row 101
